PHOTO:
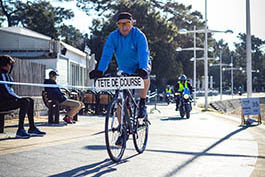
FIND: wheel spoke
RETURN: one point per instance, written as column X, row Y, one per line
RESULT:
column 113, row 131
column 141, row 135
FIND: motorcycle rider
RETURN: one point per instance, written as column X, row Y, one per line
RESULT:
column 168, row 93
column 182, row 83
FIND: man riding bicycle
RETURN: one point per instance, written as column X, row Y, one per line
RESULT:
column 130, row 47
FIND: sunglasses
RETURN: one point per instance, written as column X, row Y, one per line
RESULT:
column 126, row 24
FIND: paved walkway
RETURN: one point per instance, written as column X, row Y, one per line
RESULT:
column 207, row 144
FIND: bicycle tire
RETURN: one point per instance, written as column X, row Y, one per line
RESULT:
column 140, row 135
column 112, row 132
column 181, row 111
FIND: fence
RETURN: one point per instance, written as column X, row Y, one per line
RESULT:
column 150, row 96
column 27, row 72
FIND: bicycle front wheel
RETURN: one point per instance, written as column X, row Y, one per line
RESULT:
column 140, row 135
column 113, row 131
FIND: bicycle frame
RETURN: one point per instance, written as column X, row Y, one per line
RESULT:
column 125, row 95
column 121, row 119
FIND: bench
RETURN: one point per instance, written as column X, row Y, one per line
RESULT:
column 104, row 98
column 90, row 101
column 54, row 109
column 2, row 119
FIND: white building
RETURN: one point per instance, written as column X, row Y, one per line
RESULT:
column 72, row 64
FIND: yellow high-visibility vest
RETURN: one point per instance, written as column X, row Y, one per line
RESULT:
column 181, row 87
column 168, row 90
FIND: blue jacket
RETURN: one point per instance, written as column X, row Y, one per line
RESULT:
column 54, row 93
column 131, row 52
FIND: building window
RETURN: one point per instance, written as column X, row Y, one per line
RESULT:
column 77, row 75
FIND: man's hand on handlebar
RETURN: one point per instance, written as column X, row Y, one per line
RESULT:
column 94, row 74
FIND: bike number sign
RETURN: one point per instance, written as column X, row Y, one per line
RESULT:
column 250, row 106
column 113, row 83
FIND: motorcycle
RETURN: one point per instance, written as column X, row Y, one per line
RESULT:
column 169, row 98
column 185, row 103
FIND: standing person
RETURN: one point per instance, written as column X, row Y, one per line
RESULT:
column 56, row 95
column 182, row 83
column 130, row 47
column 9, row 100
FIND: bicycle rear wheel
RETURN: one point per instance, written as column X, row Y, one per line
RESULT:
column 113, row 130
column 140, row 135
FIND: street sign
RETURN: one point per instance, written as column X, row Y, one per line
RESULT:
column 113, row 83
column 250, row 106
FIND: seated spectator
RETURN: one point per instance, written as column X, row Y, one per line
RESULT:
column 56, row 95
column 9, row 100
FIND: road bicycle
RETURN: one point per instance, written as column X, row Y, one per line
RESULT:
column 121, row 119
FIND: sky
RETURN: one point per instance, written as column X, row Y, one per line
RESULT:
column 231, row 14
column 222, row 15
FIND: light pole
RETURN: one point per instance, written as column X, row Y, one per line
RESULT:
column 206, row 55
column 221, row 77
column 232, row 77
column 221, row 73
column 248, row 43
column 206, row 30
column 255, row 71
column 194, row 56
column 206, row 59
column 194, row 64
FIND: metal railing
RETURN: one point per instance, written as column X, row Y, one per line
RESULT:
column 151, row 96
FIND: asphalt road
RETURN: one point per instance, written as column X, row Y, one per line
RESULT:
column 206, row 145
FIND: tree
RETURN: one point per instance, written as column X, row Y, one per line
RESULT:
column 10, row 9
column 258, row 60
column 159, row 22
column 38, row 16
column 42, row 17
column 72, row 36
column 1, row 18
column 221, row 50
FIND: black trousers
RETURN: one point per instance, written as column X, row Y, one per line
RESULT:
column 25, row 106
column 177, row 100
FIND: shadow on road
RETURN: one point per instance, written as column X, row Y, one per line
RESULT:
column 98, row 133
column 172, row 118
column 89, row 169
column 96, row 147
column 96, row 169
column 204, row 153
column 12, row 138
column 40, row 124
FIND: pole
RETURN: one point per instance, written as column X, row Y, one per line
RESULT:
column 221, row 77
column 194, row 64
column 206, row 59
column 249, row 60
column 232, row 79
column 156, row 98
